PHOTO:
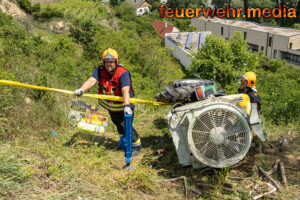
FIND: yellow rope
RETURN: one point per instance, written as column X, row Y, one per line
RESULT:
column 97, row 96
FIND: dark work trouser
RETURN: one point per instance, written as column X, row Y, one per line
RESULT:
column 118, row 119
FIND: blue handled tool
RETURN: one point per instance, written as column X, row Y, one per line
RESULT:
column 125, row 142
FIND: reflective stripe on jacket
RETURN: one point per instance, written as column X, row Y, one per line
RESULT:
column 111, row 87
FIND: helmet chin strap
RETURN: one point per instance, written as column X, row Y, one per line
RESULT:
column 112, row 71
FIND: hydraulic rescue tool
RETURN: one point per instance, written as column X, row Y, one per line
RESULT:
column 125, row 141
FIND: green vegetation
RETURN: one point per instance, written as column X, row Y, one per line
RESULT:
column 184, row 25
column 296, row 26
column 28, row 116
column 223, row 60
column 277, row 82
column 27, row 7
column 81, row 10
column 37, row 165
column 37, row 12
column 13, row 175
column 186, row 3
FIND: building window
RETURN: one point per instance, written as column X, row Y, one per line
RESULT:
column 275, row 54
column 291, row 45
column 295, row 58
column 270, row 41
column 222, row 30
column 245, row 35
column 291, row 57
column 253, row 47
column 283, row 55
column 262, row 48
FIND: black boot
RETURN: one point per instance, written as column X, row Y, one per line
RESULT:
column 136, row 150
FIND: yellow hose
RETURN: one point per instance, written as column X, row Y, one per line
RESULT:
column 97, row 96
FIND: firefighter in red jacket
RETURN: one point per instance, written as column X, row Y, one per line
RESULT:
column 114, row 79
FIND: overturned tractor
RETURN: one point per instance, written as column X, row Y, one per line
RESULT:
column 209, row 128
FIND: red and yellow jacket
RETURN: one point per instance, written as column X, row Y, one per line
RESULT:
column 111, row 87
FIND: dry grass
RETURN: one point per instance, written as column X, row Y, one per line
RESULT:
column 44, row 166
column 56, row 169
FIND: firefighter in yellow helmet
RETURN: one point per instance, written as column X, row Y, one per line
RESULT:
column 114, row 79
column 248, row 81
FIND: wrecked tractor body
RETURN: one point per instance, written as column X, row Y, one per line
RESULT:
column 210, row 128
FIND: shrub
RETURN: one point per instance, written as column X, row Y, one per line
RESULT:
column 278, row 86
column 184, row 25
column 48, row 13
column 83, row 32
column 126, row 11
column 27, row 7
column 296, row 25
column 114, row 2
column 155, row 6
column 38, row 13
column 223, row 60
column 277, row 82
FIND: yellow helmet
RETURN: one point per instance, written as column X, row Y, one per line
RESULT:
column 250, row 77
column 110, row 55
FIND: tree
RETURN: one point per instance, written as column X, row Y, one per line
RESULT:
column 114, row 2
column 125, row 11
column 278, row 85
column 176, row 4
column 223, row 60
column 187, row 3
column 155, row 6
column 277, row 82
column 262, row 4
column 289, row 21
column 184, row 25
column 237, row 4
column 221, row 3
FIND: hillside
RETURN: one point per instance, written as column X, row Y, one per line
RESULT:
column 58, row 44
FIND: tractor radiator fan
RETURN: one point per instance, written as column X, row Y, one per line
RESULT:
column 215, row 132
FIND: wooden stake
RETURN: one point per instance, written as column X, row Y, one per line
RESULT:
column 185, row 185
column 274, row 168
column 277, row 185
column 283, row 140
column 173, row 179
column 195, row 191
column 284, row 180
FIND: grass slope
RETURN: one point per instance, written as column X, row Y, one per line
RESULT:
column 37, row 165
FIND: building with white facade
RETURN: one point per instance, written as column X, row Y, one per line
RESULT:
column 276, row 42
column 141, row 6
column 183, row 44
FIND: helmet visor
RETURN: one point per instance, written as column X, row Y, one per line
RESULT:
column 243, row 77
column 109, row 59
